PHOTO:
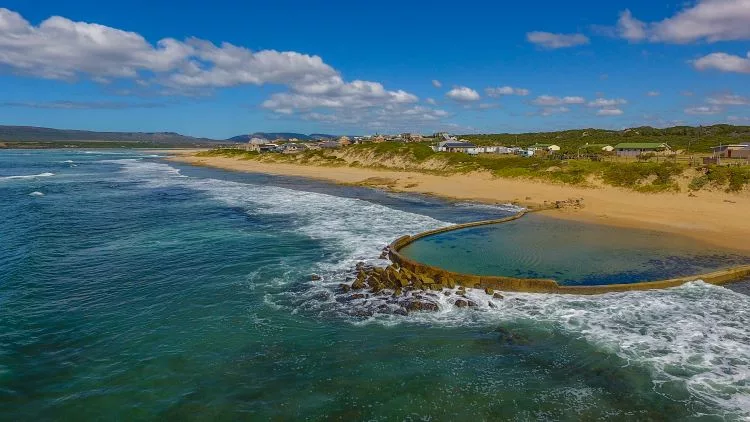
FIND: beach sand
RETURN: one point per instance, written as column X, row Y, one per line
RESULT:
column 716, row 217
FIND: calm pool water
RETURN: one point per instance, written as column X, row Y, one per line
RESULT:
column 571, row 253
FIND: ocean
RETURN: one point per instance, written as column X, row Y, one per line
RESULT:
column 132, row 288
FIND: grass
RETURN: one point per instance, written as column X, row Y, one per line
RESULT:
column 732, row 179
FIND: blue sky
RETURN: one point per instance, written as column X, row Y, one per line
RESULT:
column 220, row 69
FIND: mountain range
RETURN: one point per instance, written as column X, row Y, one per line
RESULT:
column 43, row 134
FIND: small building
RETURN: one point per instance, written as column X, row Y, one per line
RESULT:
column 292, row 148
column 596, row 148
column 544, row 147
column 455, row 146
column 732, row 151
column 329, row 145
column 344, row 141
column 634, row 149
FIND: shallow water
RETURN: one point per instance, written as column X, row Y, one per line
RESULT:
column 134, row 289
column 571, row 253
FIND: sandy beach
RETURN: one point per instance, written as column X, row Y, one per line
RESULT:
column 714, row 217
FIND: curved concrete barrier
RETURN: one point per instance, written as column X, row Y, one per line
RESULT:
column 535, row 285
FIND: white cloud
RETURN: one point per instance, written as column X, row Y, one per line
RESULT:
column 549, row 111
column 463, row 94
column 59, row 48
column 738, row 119
column 552, row 41
column 653, row 93
column 548, row 100
column 728, row 99
column 706, row 110
column 609, row 112
column 724, row 62
column 604, row 102
column 436, row 83
column 430, row 101
column 506, row 90
column 630, row 28
column 705, row 20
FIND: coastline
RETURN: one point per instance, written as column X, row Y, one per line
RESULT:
column 712, row 217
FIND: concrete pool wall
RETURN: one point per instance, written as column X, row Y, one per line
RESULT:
column 534, row 285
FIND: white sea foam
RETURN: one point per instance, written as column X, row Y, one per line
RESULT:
column 696, row 335
column 27, row 176
column 36, row 193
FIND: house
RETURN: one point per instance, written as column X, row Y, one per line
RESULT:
column 344, row 141
column 544, row 147
column 634, row 149
column 267, row 147
column 292, row 148
column 455, row 146
column 411, row 137
column 329, row 145
column 596, row 148
column 732, row 151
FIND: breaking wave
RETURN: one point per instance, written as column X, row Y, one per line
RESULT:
column 27, row 176
column 695, row 335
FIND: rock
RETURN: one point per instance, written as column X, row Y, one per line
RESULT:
column 460, row 287
column 447, row 293
column 397, row 293
column 498, row 296
column 360, row 265
column 358, row 285
column 344, row 287
column 401, row 311
column 315, row 277
column 357, row 296
column 489, row 291
column 472, row 304
column 461, row 293
column 421, row 306
column 450, row 283
column 492, row 305
column 460, row 303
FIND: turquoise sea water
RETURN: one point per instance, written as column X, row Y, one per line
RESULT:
column 571, row 253
column 135, row 289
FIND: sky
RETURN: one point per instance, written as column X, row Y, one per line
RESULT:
column 223, row 68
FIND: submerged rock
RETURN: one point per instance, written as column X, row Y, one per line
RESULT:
column 344, row 287
column 416, row 305
column 498, row 296
column 460, row 303
column 315, row 277
column 489, row 291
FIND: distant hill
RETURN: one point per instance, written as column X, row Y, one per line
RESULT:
column 281, row 135
column 43, row 134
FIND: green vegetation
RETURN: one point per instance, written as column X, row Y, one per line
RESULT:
column 733, row 178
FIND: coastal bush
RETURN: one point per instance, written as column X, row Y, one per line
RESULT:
column 645, row 177
column 732, row 179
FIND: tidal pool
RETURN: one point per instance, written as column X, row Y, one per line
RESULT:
column 572, row 253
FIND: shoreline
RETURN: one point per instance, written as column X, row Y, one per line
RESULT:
column 715, row 218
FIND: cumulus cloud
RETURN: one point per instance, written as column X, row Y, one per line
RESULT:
column 609, row 112
column 604, row 102
column 705, row 20
column 551, row 40
column 705, row 110
column 59, row 48
column 436, row 83
column 506, row 90
column 728, row 99
column 463, row 94
column 430, row 101
column 630, row 28
column 548, row 100
column 724, row 62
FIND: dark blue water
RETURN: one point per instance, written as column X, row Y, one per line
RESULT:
column 134, row 289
